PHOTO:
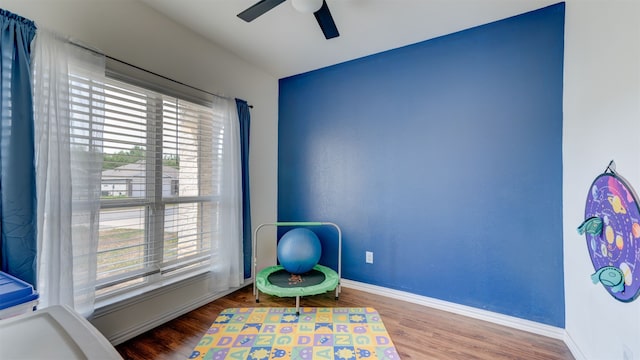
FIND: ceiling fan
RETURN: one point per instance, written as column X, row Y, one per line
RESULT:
column 319, row 9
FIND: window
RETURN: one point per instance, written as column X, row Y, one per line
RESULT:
column 161, row 175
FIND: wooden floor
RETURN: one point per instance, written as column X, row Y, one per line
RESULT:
column 418, row 332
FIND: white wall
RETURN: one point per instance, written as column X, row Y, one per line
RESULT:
column 601, row 123
column 132, row 32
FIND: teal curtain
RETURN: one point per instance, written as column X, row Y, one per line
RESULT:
column 245, row 123
column 17, row 168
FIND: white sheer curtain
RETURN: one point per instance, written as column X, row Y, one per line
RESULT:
column 226, row 251
column 68, row 173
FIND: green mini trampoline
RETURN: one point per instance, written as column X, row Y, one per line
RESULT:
column 275, row 280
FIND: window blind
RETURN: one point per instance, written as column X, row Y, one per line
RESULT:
column 161, row 176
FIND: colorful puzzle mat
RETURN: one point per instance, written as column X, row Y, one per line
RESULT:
column 277, row 333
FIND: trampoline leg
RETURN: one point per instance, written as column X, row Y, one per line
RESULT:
column 297, row 305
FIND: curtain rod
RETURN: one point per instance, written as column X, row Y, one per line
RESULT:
column 147, row 71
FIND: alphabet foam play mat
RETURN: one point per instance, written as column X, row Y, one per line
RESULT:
column 612, row 230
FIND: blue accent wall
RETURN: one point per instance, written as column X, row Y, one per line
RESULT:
column 444, row 158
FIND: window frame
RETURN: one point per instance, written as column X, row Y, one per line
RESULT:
column 155, row 206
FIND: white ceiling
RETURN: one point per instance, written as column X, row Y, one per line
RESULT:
column 284, row 42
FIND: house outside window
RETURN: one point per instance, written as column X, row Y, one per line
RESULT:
column 175, row 188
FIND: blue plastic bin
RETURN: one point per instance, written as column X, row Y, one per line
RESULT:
column 16, row 296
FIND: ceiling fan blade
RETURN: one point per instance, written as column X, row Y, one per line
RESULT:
column 258, row 9
column 325, row 20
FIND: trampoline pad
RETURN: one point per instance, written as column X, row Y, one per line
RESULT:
column 283, row 278
column 274, row 280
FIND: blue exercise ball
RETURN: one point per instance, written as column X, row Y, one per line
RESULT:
column 299, row 250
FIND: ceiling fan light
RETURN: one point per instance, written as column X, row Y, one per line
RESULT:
column 307, row 6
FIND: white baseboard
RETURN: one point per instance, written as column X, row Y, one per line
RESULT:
column 141, row 328
column 505, row 320
column 119, row 334
column 573, row 347
column 118, row 324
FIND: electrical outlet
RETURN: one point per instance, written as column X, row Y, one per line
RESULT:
column 369, row 257
column 626, row 353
